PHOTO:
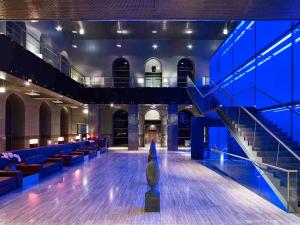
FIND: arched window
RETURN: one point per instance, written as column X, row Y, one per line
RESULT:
column 184, row 126
column 185, row 68
column 153, row 73
column 45, row 124
column 120, row 128
column 64, row 124
column 17, row 32
column 14, row 123
column 121, row 72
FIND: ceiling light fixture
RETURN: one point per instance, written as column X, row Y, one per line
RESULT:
column 85, row 111
column 111, row 104
column 74, row 107
column 154, row 46
column 225, row 31
column 119, row 46
column 189, row 31
column 154, row 32
column 189, row 46
column 74, row 46
column 74, row 31
column 58, row 28
column 81, row 31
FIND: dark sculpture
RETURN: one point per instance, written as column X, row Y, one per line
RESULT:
column 152, row 197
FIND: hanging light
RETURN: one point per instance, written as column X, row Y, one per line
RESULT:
column 81, row 31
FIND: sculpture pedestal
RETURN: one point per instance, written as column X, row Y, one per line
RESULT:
column 152, row 201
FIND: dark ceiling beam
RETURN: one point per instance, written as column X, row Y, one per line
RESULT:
column 149, row 9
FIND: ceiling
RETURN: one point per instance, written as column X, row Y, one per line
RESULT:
column 149, row 9
column 200, row 30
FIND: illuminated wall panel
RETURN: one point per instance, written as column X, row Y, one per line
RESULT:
column 225, row 61
column 296, row 63
column 214, row 67
column 268, row 31
column 244, row 44
column 282, row 118
column 296, row 124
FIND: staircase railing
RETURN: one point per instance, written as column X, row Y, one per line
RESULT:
column 219, row 100
column 285, row 186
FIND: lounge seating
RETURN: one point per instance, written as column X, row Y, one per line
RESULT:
column 10, row 180
column 40, row 164
column 69, row 157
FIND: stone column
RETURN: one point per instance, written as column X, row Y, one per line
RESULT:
column 197, row 138
column 141, row 128
column 2, row 122
column 94, row 121
column 164, row 128
column 172, row 127
column 133, row 127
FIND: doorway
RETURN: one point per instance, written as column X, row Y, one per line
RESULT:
column 152, row 127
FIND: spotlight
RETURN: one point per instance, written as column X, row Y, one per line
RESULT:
column 81, row 31
column 154, row 32
column 189, row 46
column 119, row 46
column 85, row 111
column 112, row 105
column 154, row 46
column 74, row 46
column 189, row 31
column 225, row 31
column 58, row 27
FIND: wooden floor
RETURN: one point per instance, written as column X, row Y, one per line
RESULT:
column 110, row 190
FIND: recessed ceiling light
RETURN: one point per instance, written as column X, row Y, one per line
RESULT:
column 225, row 31
column 154, row 46
column 189, row 31
column 34, row 21
column 112, row 105
column 189, row 46
column 122, row 31
column 32, row 93
column 57, row 101
column 74, row 31
column 81, row 31
column 74, row 46
column 154, row 32
column 119, row 45
column 58, row 27
column 85, row 111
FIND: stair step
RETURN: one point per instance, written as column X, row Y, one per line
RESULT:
column 274, row 153
column 287, row 159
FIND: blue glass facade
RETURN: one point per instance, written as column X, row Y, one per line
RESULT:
column 258, row 64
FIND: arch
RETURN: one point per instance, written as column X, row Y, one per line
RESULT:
column 45, row 123
column 120, row 128
column 153, row 73
column 152, row 114
column 185, row 68
column 121, row 72
column 17, row 32
column 184, row 126
column 64, row 124
column 14, row 122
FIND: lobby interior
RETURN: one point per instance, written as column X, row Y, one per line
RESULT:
column 87, row 88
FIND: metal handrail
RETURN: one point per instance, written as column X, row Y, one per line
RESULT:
column 255, row 162
column 252, row 116
column 276, row 100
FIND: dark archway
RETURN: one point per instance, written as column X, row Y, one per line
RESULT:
column 184, row 126
column 121, row 72
column 17, row 32
column 120, row 128
column 14, row 123
column 64, row 124
column 153, row 73
column 45, row 124
column 185, row 68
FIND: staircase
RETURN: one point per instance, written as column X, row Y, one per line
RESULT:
column 263, row 142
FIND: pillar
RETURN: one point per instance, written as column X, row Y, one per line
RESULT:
column 141, row 128
column 172, row 127
column 133, row 127
column 197, row 138
column 94, row 121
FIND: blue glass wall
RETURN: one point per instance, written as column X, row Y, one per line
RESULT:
column 259, row 65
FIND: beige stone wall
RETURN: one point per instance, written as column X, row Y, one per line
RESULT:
column 32, row 108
